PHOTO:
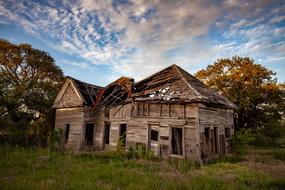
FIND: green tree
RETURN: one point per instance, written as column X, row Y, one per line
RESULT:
column 29, row 82
column 252, row 87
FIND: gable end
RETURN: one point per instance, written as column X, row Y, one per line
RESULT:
column 69, row 96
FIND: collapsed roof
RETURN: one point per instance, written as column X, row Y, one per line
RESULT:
column 173, row 84
column 170, row 85
column 88, row 91
column 114, row 94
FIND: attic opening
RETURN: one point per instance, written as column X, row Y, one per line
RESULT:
column 89, row 133
column 176, row 141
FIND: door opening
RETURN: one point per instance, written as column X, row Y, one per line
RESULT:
column 216, row 140
column 176, row 141
column 66, row 133
column 123, row 130
column 107, row 133
column 89, row 133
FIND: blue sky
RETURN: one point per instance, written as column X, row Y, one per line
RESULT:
column 98, row 41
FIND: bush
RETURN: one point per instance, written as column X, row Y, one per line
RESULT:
column 26, row 133
column 242, row 138
column 121, row 149
column 270, row 134
column 55, row 139
column 277, row 184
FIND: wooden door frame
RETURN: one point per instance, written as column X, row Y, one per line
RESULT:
column 170, row 141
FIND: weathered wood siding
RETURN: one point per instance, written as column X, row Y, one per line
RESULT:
column 140, row 117
column 99, row 132
column 70, row 98
column 75, row 118
column 99, row 122
column 211, row 118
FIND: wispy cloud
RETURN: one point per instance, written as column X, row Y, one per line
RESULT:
column 136, row 37
column 82, row 65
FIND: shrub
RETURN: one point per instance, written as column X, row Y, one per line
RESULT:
column 270, row 134
column 242, row 138
column 120, row 149
column 55, row 139
column 277, row 184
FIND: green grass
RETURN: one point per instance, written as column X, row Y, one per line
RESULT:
column 41, row 169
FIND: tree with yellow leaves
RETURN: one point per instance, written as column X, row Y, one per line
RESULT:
column 252, row 87
column 29, row 82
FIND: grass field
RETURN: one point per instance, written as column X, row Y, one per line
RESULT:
column 41, row 169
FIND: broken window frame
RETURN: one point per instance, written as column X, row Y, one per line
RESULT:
column 182, row 142
column 153, row 145
column 107, row 113
column 154, row 135
column 228, row 132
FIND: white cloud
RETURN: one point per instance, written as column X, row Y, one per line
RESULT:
column 79, row 29
column 82, row 65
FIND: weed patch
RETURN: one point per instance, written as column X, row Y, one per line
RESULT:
column 42, row 169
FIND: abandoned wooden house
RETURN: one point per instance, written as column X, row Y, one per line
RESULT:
column 171, row 113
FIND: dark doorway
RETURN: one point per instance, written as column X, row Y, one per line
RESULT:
column 123, row 130
column 212, row 142
column 66, row 133
column 207, row 134
column 222, row 144
column 216, row 140
column 176, row 141
column 89, row 133
column 107, row 133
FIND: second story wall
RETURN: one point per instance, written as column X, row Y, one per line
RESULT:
column 154, row 110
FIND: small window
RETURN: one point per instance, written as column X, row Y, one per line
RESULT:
column 66, row 133
column 107, row 113
column 228, row 132
column 140, row 108
column 154, row 135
